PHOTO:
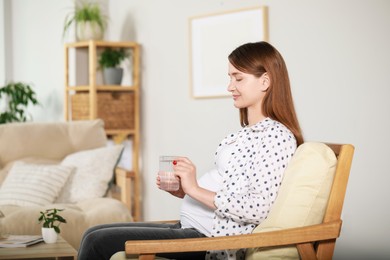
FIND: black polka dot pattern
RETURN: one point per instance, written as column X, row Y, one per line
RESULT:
column 251, row 180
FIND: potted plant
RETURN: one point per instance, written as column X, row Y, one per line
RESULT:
column 90, row 21
column 51, row 224
column 17, row 97
column 109, row 61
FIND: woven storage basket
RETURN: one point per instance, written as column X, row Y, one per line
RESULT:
column 115, row 108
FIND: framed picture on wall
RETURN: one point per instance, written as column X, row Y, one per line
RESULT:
column 212, row 38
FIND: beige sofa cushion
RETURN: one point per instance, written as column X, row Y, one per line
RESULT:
column 32, row 160
column 302, row 197
column 29, row 139
column 94, row 169
column 33, row 184
column 79, row 217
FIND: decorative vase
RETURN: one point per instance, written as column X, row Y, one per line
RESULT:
column 49, row 235
column 112, row 76
column 86, row 31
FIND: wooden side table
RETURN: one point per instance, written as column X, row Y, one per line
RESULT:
column 59, row 250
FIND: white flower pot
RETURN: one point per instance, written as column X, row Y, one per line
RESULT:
column 49, row 235
column 86, row 31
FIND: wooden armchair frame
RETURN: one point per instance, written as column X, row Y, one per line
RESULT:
column 312, row 242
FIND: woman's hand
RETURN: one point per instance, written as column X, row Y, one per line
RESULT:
column 179, row 193
column 186, row 171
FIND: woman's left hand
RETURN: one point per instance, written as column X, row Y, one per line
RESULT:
column 179, row 193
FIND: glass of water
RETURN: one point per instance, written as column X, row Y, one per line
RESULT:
column 168, row 181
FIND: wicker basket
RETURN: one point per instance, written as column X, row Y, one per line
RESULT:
column 115, row 108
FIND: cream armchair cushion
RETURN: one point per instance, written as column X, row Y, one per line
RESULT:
column 302, row 198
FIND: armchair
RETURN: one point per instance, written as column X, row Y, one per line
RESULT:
column 318, row 174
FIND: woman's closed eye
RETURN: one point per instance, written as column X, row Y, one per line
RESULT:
column 235, row 79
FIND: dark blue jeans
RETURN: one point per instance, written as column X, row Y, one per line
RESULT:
column 102, row 241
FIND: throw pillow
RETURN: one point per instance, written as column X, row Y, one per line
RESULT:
column 33, row 184
column 302, row 198
column 94, row 170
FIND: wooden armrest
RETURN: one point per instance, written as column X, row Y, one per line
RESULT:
column 293, row 236
column 124, row 179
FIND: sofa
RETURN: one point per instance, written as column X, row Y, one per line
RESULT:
column 63, row 165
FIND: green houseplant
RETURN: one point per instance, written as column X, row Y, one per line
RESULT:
column 52, row 219
column 89, row 19
column 17, row 96
column 109, row 61
column 51, row 224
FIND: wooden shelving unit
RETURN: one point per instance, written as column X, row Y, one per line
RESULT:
column 118, row 106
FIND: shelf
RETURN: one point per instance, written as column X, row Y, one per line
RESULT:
column 102, row 88
column 102, row 44
column 120, row 131
column 117, row 105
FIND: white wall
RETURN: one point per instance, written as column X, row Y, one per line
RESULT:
column 2, row 43
column 35, row 40
column 338, row 58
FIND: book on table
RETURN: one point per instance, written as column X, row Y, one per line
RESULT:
column 20, row 240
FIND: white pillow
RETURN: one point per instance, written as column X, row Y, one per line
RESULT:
column 94, row 171
column 33, row 184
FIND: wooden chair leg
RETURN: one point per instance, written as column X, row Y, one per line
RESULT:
column 147, row 257
column 325, row 249
column 306, row 251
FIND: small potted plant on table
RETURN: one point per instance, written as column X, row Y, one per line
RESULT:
column 51, row 224
column 109, row 61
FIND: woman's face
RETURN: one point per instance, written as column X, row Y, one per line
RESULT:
column 247, row 90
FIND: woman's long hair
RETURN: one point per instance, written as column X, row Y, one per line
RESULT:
column 256, row 59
